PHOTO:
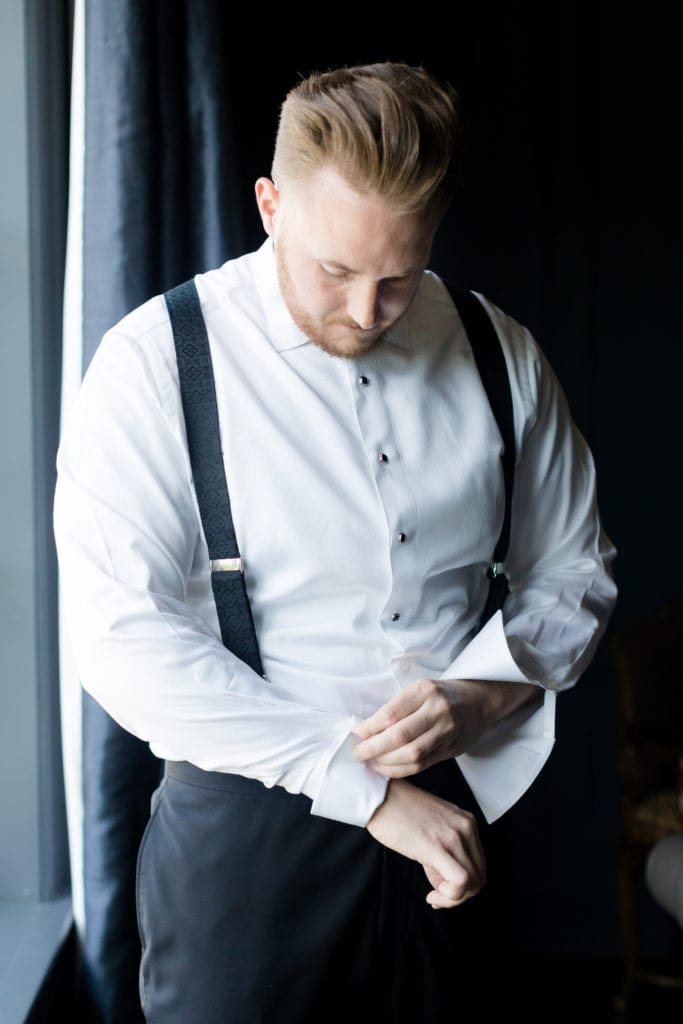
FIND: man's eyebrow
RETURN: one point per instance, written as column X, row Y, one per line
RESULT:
column 348, row 270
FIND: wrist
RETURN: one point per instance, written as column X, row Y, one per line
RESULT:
column 501, row 697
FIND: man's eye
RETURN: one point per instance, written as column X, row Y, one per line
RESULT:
column 338, row 275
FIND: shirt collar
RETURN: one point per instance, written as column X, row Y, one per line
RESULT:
column 283, row 332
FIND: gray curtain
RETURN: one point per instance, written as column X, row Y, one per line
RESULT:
column 161, row 203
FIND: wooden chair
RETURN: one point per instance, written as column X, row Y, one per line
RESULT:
column 647, row 660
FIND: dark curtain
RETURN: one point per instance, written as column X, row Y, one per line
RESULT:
column 160, row 204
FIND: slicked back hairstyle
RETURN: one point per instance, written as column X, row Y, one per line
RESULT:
column 388, row 129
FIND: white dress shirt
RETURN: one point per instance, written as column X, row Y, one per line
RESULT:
column 367, row 500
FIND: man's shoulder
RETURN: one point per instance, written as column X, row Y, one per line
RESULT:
column 529, row 372
column 440, row 291
column 144, row 333
column 142, row 320
column 214, row 287
column 141, row 343
column 222, row 285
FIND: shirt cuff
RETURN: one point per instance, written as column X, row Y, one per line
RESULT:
column 500, row 766
column 350, row 791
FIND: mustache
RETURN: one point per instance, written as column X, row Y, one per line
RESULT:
column 352, row 325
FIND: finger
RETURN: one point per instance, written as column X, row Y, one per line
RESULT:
column 425, row 748
column 439, row 902
column 401, row 771
column 462, row 867
column 403, row 704
column 466, row 849
column 460, row 881
column 436, row 898
column 421, row 747
column 420, row 731
column 433, row 876
column 457, row 893
column 394, row 737
column 476, row 866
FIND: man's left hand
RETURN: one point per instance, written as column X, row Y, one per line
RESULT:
column 434, row 719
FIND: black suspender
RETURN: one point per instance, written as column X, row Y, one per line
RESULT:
column 494, row 376
column 198, row 396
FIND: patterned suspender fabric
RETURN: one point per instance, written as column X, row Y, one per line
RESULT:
column 198, row 396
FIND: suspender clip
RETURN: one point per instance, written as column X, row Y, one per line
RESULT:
column 226, row 564
column 494, row 570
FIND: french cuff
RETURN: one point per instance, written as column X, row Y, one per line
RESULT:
column 350, row 791
column 500, row 766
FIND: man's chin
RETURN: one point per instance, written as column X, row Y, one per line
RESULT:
column 348, row 344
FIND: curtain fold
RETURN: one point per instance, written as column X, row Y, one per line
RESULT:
column 153, row 199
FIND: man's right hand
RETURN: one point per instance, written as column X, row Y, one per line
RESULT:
column 441, row 837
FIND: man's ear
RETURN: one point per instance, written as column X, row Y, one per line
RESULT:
column 267, row 200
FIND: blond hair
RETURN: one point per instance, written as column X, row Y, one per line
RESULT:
column 389, row 129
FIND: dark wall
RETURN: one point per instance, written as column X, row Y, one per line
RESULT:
column 569, row 218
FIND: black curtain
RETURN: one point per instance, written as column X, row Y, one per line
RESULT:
column 160, row 204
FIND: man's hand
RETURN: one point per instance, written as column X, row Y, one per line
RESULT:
column 438, row 835
column 434, row 719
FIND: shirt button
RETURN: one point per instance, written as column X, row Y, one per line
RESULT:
column 363, row 380
column 401, row 537
column 383, row 457
column 404, row 664
column 395, row 616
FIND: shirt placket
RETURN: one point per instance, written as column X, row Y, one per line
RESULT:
column 396, row 496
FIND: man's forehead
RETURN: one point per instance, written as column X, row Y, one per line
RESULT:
column 350, row 231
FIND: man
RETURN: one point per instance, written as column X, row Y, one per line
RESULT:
column 313, row 816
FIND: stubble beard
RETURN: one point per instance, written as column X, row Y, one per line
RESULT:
column 356, row 343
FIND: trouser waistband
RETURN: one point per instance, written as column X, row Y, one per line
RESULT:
column 183, row 771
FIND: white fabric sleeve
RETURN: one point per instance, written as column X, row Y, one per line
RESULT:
column 500, row 766
column 559, row 563
column 126, row 531
column 561, row 587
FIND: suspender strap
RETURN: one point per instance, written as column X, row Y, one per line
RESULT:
column 494, row 376
column 198, row 395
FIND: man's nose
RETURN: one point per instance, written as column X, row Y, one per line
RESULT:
column 363, row 304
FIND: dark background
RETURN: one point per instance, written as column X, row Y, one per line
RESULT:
column 568, row 217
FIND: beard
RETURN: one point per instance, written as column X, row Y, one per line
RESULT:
column 338, row 337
